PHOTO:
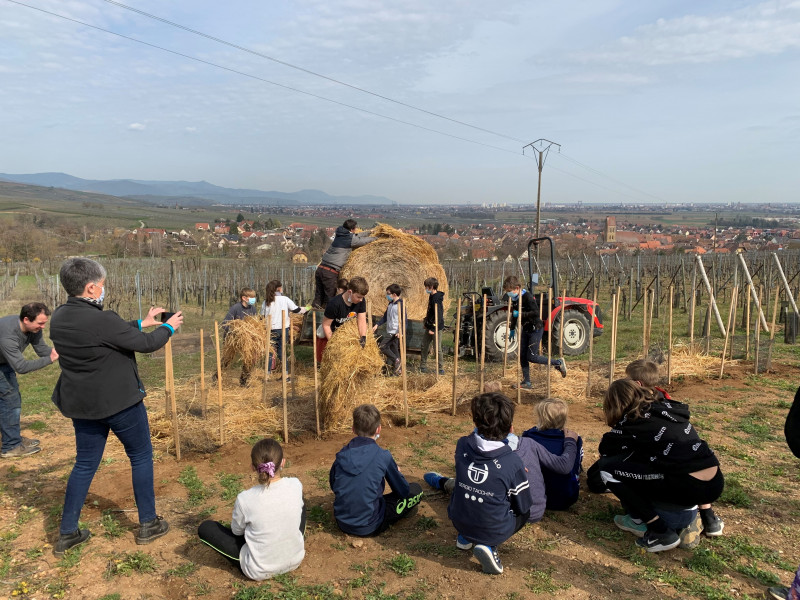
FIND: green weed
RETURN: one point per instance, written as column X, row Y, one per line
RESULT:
column 402, row 564
column 128, row 563
column 112, row 527
column 319, row 515
column 427, row 547
column 183, row 570
column 540, row 581
column 114, row 596
column 735, row 495
column 197, row 490
column 320, row 478
column 705, row 562
column 231, row 485
column 38, row 426
column 765, row 578
column 71, row 558
column 426, row 523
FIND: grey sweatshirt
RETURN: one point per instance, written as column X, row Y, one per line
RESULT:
column 534, row 456
column 13, row 342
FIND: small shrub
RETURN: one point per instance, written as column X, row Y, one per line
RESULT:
column 402, row 564
column 128, row 563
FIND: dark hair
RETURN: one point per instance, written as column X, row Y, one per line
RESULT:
column 431, row 282
column 644, row 371
column 350, row 224
column 358, row 285
column 394, row 289
column 269, row 294
column 511, row 282
column 341, row 283
column 265, row 451
column 76, row 273
column 32, row 310
column 624, row 398
column 366, row 420
column 493, row 414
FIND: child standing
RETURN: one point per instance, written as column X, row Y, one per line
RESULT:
column 266, row 533
column 275, row 309
column 358, row 478
column 560, row 462
column 342, row 308
column 653, row 453
column 390, row 345
column 246, row 307
column 491, row 500
column 435, row 307
column 530, row 338
column 645, row 373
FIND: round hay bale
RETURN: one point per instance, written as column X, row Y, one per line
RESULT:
column 397, row 257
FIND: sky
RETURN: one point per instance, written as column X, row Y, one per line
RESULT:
column 664, row 101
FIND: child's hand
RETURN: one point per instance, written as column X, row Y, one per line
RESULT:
column 374, row 328
column 571, row 434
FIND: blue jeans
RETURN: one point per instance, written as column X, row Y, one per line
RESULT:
column 133, row 430
column 277, row 344
column 10, row 406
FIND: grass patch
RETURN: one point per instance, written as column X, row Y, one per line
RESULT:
column 426, row 523
column 319, row 515
column 320, row 478
column 112, row 526
column 765, row 578
column 197, row 490
column 734, row 494
column 402, row 564
column 540, row 581
column 439, row 549
column 605, row 533
column 183, row 570
column 71, row 558
column 37, row 426
column 114, row 596
column 128, row 563
column 289, row 590
column 231, row 485
column 705, row 561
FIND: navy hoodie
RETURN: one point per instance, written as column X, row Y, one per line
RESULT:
column 357, row 480
column 561, row 489
column 491, row 490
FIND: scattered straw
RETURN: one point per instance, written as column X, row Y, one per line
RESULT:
column 246, row 338
column 397, row 257
column 347, row 372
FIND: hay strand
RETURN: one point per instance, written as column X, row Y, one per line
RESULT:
column 248, row 339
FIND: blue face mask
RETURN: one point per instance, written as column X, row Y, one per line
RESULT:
column 251, row 301
column 514, row 296
column 102, row 295
column 389, row 297
column 428, row 291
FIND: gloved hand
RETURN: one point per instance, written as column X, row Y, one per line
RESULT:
column 512, row 335
column 515, row 314
column 363, row 341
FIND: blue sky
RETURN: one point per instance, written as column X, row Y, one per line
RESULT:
column 670, row 101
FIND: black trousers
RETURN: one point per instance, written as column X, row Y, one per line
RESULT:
column 390, row 346
column 530, row 345
column 397, row 507
column 324, row 286
column 223, row 540
column 639, row 485
column 521, row 520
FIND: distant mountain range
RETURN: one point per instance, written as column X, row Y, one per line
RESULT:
column 187, row 192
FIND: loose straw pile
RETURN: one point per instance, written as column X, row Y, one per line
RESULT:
column 247, row 338
column 347, row 374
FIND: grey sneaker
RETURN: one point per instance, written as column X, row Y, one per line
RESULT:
column 629, row 524
column 29, row 441
column 714, row 527
column 70, row 540
column 489, row 559
column 21, row 450
column 690, row 535
column 524, row 384
column 152, row 530
column 562, row 367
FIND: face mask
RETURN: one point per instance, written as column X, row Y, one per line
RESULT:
column 514, row 296
column 102, row 294
column 377, row 435
column 428, row 291
column 388, row 297
column 251, row 301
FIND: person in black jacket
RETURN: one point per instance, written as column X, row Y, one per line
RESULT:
column 100, row 390
column 435, row 306
column 653, row 453
column 327, row 273
column 530, row 338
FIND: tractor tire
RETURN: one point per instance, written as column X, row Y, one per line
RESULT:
column 496, row 338
column 576, row 333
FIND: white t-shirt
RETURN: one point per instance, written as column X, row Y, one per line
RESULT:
column 269, row 518
column 280, row 304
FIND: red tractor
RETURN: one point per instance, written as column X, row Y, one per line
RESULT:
column 578, row 314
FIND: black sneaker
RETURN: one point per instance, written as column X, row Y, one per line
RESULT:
column 562, row 367
column 152, row 530
column 778, row 593
column 70, row 540
column 658, row 542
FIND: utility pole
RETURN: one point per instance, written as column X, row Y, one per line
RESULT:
column 541, row 147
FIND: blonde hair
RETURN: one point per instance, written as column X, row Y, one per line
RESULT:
column 551, row 413
column 624, row 398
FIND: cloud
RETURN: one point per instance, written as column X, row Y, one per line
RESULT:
column 136, row 127
column 191, row 129
column 768, row 28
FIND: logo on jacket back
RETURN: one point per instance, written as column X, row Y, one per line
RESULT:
column 477, row 475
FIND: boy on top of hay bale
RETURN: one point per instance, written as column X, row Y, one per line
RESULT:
column 342, row 308
column 246, row 307
column 645, row 373
column 358, row 478
column 327, row 273
column 435, row 307
column 390, row 344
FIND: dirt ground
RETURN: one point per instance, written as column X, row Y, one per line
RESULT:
column 578, row 554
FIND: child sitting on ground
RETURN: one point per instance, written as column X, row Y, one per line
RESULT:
column 266, row 533
column 645, row 373
column 653, row 453
column 492, row 501
column 358, row 478
column 390, row 344
column 560, row 463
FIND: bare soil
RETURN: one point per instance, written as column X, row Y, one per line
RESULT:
column 577, row 554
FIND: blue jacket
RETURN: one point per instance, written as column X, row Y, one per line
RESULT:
column 562, row 490
column 491, row 490
column 357, row 480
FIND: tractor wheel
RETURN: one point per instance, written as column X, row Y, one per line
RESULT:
column 496, row 338
column 576, row 333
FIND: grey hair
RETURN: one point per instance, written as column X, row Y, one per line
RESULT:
column 76, row 273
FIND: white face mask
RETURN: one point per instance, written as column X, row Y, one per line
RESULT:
column 102, row 294
column 251, row 301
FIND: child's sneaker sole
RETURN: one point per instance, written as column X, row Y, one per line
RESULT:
column 488, row 558
column 463, row 544
column 626, row 523
column 690, row 535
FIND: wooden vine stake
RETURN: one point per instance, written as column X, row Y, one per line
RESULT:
column 561, row 329
column 483, row 344
column 747, row 330
column 692, row 305
column 404, row 366
column 291, row 357
column 267, row 325
column 591, row 342
column 708, row 330
column 284, row 373
column 729, row 329
column 612, row 363
column 436, row 339
column 316, row 374
column 549, row 336
column 508, row 331
column 219, row 386
column 772, row 328
column 520, row 350
column 669, row 338
column 167, row 369
column 455, row 355
column 653, row 301
column 203, row 392
column 170, row 389
column 644, row 323
column 758, row 333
